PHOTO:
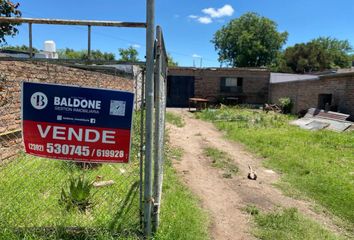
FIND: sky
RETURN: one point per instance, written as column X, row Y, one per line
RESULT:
column 188, row 25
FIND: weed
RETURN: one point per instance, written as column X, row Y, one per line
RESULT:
column 175, row 119
column 286, row 104
column 78, row 194
column 252, row 210
column 222, row 161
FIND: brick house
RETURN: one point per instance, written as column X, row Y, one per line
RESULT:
column 336, row 90
column 243, row 85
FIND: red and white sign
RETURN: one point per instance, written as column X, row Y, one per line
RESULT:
column 79, row 124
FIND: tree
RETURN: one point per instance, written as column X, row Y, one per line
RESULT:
column 98, row 55
column 249, row 41
column 317, row 55
column 22, row 48
column 129, row 54
column 8, row 9
column 171, row 61
column 69, row 53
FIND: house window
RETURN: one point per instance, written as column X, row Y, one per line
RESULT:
column 231, row 85
column 230, row 82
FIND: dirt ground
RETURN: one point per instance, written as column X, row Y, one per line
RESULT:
column 225, row 199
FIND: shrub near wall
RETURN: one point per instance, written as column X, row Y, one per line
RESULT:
column 12, row 73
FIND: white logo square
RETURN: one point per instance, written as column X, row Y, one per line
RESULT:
column 117, row 108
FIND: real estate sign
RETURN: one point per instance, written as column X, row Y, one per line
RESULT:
column 76, row 123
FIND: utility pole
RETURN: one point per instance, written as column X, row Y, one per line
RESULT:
column 149, row 95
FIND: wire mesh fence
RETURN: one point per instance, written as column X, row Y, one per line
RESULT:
column 34, row 192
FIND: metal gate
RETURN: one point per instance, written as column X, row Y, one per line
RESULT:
column 31, row 189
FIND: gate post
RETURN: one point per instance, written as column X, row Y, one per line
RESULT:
column 149, row 95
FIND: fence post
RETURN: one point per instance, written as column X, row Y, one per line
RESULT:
column 89, row 42
column 142, row 146
column 149, row 93
column 30, row 40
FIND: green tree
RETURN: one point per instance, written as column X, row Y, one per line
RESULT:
column 129, row 54
column 171, row 61
column 69, row 53
column 249, row 41
column 22, row 48
column 317, row 55
column 8, row 9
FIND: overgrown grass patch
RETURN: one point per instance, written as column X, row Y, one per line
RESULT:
column 285, row 224
column 221, row 160
column 175, row 119
column 318, row 164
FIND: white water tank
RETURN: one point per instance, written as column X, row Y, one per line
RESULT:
column 49, row 46
column 50, row 49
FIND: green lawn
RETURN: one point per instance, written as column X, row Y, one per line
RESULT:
column 285, row 224
column 320, row 164
column 30, row 191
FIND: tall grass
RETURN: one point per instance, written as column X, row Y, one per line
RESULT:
column 318, row 164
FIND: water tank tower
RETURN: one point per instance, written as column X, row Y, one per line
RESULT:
column 50, row 49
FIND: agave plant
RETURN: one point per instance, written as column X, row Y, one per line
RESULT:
column 78, row 194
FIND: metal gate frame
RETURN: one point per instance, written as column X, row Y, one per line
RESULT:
column 156, row 74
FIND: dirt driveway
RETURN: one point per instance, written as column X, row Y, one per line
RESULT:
column 224, row 199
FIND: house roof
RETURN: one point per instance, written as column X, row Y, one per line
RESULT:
column 287, row 77
column 219, row 69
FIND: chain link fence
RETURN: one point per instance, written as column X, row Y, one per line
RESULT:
column 31, row 189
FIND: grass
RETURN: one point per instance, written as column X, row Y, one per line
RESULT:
column 222, row 161
column 29, row 202
column 285, row 224
column 30, row 191
column 175, row 119
column 319, row 164
column 181, row 215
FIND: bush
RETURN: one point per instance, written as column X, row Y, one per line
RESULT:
column 286, row 105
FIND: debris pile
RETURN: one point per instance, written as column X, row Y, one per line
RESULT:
column 316, row 119
column 272, row 108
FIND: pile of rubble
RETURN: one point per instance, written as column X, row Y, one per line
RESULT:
column 316, row 119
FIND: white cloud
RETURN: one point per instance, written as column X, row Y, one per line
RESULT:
column 135, row 45
column 205, row 20
column 225, row 11
column 193, row 16
column 196, row 56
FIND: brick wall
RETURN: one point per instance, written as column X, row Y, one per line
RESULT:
column 12, row 73
column 207, row 82
column 304, row 94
